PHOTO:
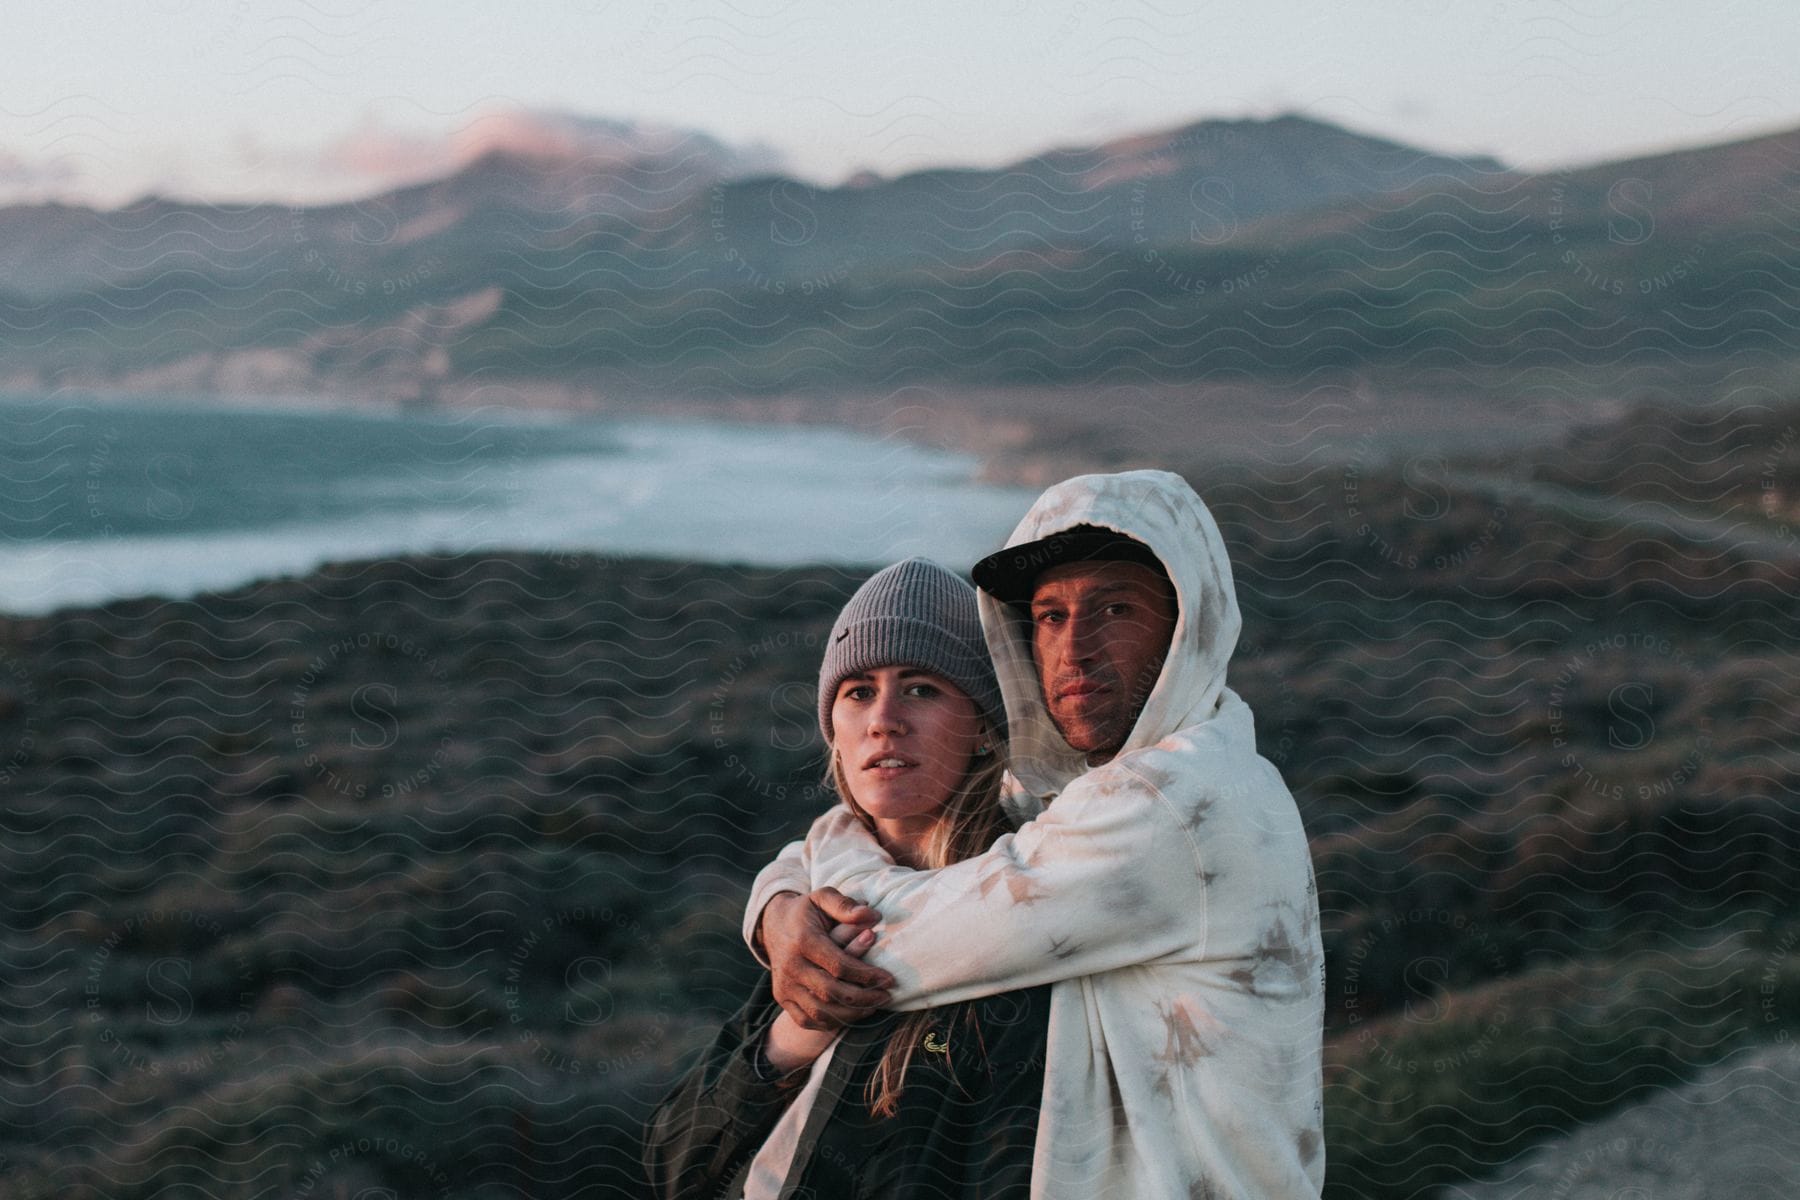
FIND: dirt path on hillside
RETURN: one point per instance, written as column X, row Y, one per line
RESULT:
column 1703, row 528
column 1732, row 1134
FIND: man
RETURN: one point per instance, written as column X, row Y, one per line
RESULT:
column 1162, row 882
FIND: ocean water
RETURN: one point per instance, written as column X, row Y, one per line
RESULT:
column 128, row 497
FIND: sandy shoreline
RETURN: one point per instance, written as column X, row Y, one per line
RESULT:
column 1028, row 436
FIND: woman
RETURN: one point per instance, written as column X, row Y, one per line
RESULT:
column 940, row 1102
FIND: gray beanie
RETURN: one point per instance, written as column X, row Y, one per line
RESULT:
column 914, row 614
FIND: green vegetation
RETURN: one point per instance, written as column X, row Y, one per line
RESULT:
column 1414, row 1104
column 426, row 874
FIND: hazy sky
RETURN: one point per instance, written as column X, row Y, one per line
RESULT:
column 233, row 98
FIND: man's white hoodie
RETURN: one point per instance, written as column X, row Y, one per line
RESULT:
column 1168, row 894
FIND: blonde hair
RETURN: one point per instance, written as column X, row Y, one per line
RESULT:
column 967, row 825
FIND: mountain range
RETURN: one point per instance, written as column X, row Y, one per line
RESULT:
column 1243, row 247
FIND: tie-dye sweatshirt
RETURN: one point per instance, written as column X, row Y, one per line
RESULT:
column 1168, row 894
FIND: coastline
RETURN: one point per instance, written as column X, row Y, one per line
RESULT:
column 1024, row 435
column 182, row 494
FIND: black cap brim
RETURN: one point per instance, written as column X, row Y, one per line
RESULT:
column 1011, row 574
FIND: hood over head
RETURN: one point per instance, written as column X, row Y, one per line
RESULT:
column 1159, row 509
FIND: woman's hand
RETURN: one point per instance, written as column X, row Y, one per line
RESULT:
column 790, row 1047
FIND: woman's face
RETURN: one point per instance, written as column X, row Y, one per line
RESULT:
column 905, row 739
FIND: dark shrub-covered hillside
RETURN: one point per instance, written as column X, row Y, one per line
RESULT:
column 426, row 874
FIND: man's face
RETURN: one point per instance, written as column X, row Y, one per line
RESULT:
column 1099, row 634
